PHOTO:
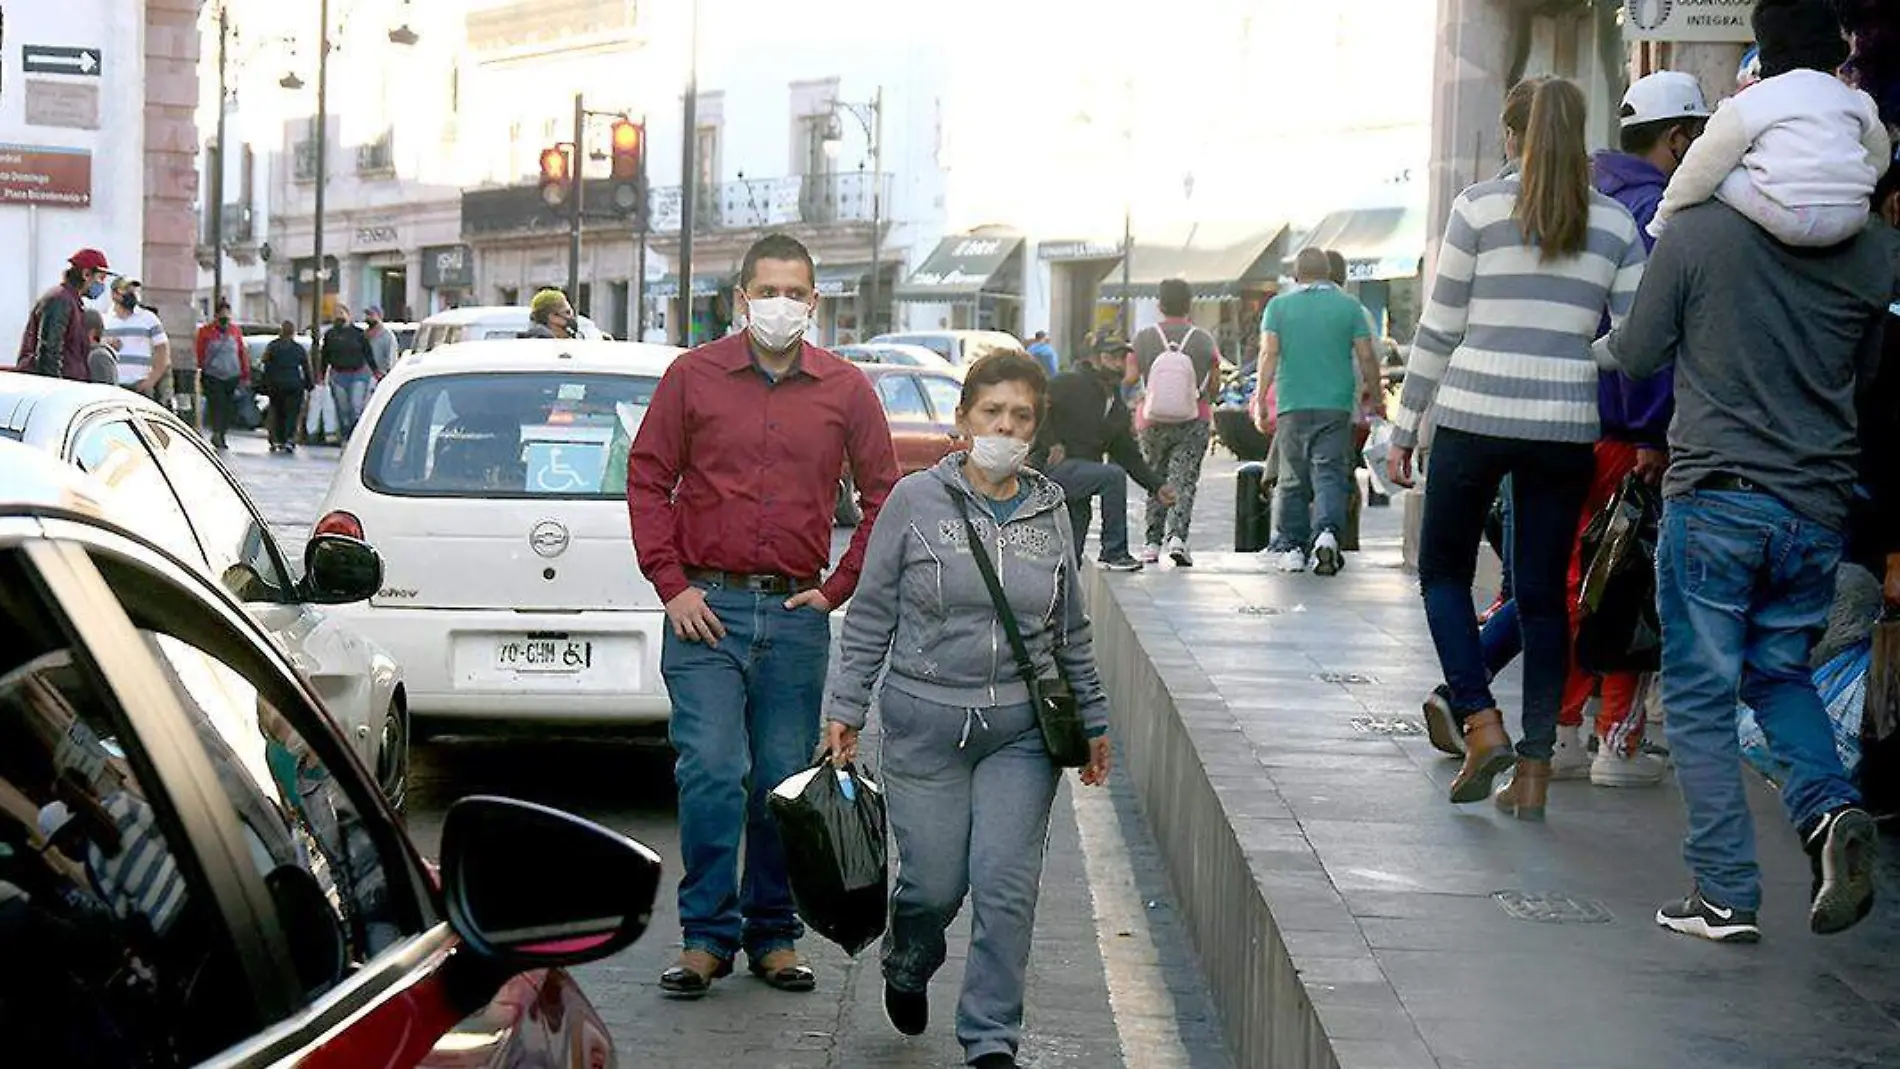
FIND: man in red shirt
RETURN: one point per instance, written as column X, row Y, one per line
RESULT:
column 732, row 484
column 55, row 342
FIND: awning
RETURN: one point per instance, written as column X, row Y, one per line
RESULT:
column 960, row 268
column 1378, row 243
column 1214, row 268
column 703, row 286
column 841, row 280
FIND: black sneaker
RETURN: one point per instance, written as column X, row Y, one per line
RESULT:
column 1123, row 563
column 1441, row 724
column 1841, row 846
column 909, row 1011
column 1698, row 916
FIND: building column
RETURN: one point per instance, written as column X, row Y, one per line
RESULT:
column 170, row 267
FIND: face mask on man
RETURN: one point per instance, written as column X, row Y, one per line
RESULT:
column 224, row 319
column 998, row 456
column 95, row 288
column 128, row 300
column 777, row 323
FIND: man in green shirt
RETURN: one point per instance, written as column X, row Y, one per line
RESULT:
column 1308, row 342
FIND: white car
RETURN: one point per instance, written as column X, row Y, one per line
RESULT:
column 486, row 323
column 491, row 476
column 899, row 354
column 170, row 488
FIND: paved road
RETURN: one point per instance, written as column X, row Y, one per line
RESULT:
column 1113, row 981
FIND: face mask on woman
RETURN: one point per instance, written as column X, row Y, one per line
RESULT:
column 777, row 323
column 999, row 456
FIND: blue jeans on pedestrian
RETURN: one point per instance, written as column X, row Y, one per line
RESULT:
column 1549, row 484
column 745, row 718
column 1082, row 481
column 1315, row 476
column 351, row 391
column 1744, row 585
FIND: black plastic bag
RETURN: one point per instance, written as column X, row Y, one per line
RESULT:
column 1620, row 630
column 831, row 820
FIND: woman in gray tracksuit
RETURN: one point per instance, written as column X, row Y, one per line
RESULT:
column 968, row 782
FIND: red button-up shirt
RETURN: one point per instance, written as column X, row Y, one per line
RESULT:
column 735, row 473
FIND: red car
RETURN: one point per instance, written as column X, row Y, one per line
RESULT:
column 195, row 868
column 921, row 406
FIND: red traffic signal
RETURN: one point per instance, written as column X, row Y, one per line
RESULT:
column 628, row 137
column 555, row 176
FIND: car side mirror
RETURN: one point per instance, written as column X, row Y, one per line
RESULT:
column 533, row 887
column 339, row 569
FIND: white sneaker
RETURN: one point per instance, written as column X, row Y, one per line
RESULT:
column 1612, row 769
column 1326, row 557
column 1293, row 560
column 1178, row 552
column 1571, row 759
column 1150, row 554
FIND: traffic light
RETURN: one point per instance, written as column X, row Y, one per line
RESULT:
column 629, row 140
column 556, row 177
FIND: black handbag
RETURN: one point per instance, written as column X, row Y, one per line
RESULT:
column 1063, row 733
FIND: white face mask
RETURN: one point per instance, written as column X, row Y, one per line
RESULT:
column 999, row 456
column 777, row 323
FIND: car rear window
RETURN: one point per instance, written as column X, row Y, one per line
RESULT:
column 508, row 435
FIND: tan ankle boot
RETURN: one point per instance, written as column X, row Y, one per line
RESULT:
column 1524, row 797
column 1487, row 753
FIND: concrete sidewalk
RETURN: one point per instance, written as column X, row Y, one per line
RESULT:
column 1347, row 915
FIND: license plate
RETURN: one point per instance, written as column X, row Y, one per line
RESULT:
column 544, row 654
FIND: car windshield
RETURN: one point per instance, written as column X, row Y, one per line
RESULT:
column 508, row 435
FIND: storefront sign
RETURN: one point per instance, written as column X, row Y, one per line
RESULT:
column 1078, row 250
column 1688, row 20
column 448, row 267
column 302, row 277
column 73, row 105
column 47, row 177
column 377, row 236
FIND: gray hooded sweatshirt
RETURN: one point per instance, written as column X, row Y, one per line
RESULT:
column 922, row 608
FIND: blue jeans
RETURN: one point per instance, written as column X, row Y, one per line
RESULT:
column 1744, row 585
column 1549, row 485
column 351, row 391
column 1085, row 480
column 745, row 717
column 1315, row 475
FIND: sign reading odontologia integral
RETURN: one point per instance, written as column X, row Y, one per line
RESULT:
column 1688, row 20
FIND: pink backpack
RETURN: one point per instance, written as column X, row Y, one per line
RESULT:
column 1174, row 390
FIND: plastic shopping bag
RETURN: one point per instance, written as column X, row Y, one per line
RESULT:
column 1843, row 686
column 1377, row 448
column 1620, row 630
column 831, row 820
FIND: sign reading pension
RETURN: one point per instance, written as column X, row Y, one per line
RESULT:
column 46, row 177
column 1688, row 20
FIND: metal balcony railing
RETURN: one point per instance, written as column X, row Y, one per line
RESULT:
column 758, row 203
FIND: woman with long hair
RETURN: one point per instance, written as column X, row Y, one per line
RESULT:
column 1502, row 365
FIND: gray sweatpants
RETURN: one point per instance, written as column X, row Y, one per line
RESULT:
column 968, row 793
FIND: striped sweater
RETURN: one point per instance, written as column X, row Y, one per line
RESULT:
column 1503, row 348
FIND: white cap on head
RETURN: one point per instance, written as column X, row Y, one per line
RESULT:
column 1662, row 96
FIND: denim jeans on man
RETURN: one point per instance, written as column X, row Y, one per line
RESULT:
column 1085, row 480
column 1744, row 585
column 1548, row 485
column 351, row 391
column 745, row 717
column 1315, row 448
column 969, row 792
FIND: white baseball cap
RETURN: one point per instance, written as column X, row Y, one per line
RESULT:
column 1664, row 95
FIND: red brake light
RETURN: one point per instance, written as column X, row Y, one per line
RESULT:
column 340, row 523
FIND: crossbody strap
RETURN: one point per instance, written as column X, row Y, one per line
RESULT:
column 978, row 549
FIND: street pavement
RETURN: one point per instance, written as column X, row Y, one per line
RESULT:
column 1113, row 981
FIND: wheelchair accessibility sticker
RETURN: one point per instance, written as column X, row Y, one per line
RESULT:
column 565, row 467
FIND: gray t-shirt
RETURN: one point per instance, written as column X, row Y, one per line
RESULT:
column 1199, row 347
column 1771, row 345
column 103, row 365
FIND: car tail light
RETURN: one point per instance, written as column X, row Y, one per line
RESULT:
column 340, row 523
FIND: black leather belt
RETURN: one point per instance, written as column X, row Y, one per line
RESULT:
column 755, row 584
column 1722, row 482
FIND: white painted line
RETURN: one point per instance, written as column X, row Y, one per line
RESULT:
column 1143, row 1008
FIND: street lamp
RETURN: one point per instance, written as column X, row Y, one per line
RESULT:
column 871, row 118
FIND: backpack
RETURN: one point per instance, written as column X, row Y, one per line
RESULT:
column 1174, row 390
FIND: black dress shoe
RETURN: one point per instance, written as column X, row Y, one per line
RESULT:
column 996, row 1060
column 795, row 976
column 909, row 1011
column 683, row 981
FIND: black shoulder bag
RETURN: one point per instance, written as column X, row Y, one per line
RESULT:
column 1063, row 733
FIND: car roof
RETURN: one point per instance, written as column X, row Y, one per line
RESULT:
column 479, row 313
column 31, row 479
column 877, row 370
column 540, row 354
column 897, row 336
column 26, row 398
